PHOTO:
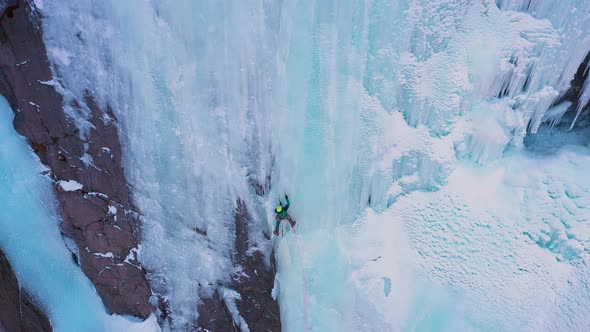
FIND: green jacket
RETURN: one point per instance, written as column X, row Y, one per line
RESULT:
column 283, row 214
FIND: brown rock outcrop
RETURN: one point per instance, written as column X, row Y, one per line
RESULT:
column 254, row 284
column 99, row 217
column 17, row 311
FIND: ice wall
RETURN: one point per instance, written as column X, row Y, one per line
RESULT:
column 410, row 108
column 382, row 93
column 401, row 107
column 30, row 238
column 190, row 84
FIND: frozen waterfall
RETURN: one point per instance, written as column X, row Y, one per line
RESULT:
column 412, row 136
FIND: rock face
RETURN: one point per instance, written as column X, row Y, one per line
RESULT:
column 254, row 284
column 99, row 217
column 17, row 311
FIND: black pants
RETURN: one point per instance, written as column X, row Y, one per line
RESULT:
column 279, row 222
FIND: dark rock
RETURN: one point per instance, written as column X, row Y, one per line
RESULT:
column 100, row 217
column 254, row 282
column 574, row 92
column 17, row 310
column 39, row 147
column 256, row 279
column 200, row 231
column 576, row 84
column 261, row 187
column 214, row 316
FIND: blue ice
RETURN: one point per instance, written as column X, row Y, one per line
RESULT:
column 384, row 121
column 30, row 238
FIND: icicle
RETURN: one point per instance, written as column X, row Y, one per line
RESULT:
column 584, row 97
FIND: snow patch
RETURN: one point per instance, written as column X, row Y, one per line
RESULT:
column 97, row 194
column 51, row 82
column 131, row 256
column 104, row 255
column 70, row 185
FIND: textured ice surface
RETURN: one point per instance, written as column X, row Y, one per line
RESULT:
column 506, row 237
column 397, row 127
column 30, row 238
column 190, row 84
column 410, row 118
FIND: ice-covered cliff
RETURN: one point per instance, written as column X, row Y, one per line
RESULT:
column 433, row 150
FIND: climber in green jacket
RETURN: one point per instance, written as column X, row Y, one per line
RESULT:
column 281, row 213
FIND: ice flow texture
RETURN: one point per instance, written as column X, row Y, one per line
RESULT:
column 30, row 238
column 354, row 103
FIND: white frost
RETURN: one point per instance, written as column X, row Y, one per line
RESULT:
column 131, row 256
column 104, row 255
column 70, row 185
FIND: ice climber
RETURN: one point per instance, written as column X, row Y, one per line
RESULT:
column 281, row 213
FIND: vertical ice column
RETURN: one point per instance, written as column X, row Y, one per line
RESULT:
column 316, row 131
